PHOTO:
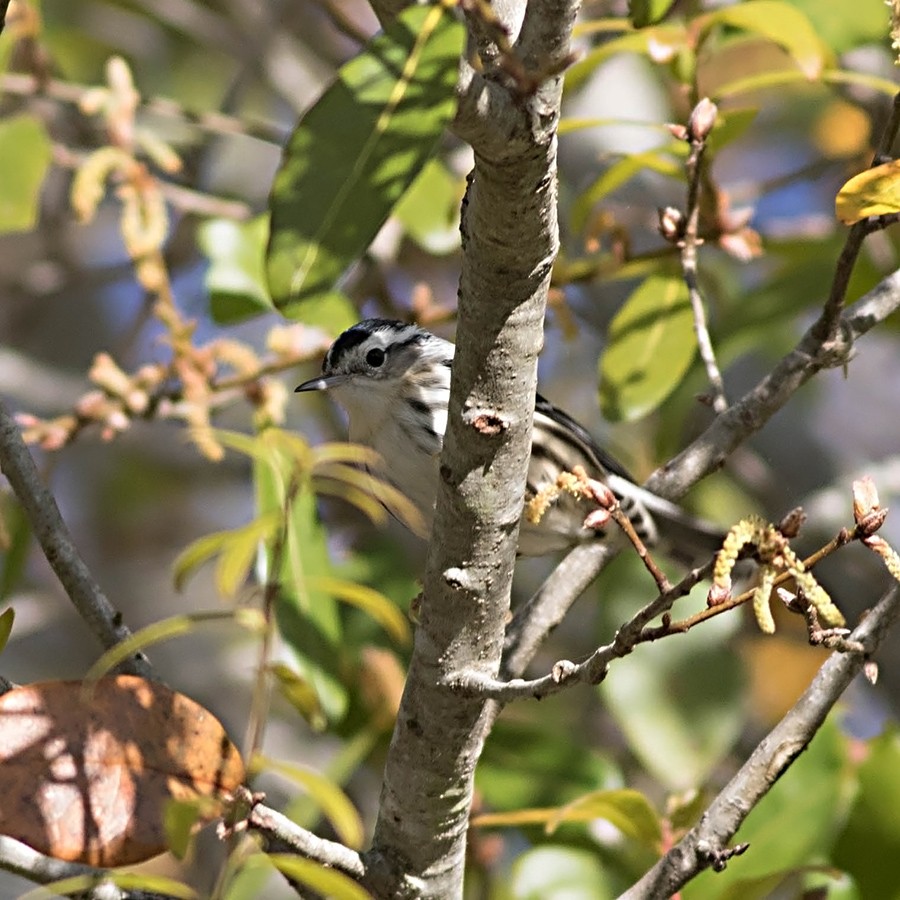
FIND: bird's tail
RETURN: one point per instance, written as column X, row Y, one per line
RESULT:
column 682, row 537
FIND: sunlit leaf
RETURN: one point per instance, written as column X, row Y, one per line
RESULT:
column 300, row 694
column 235, row 548
column 627, row 809
column 844, row 26
column 429, row 210
column 102, row 769
column 327, row 882
column 394, row 499
column 24, row 158
column 875, row 192
column 164, row 630
column 643, row 42
column 371, row 602
column 768, row 79
column 236, row 278
column 651, row 346
column 778, row 21
column 307, row 617
column 358, row 149
column 331, row 800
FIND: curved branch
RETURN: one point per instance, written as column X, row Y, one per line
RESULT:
column 709, row 451
column 281, row 835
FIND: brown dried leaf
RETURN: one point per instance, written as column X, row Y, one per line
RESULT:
column 87, row 778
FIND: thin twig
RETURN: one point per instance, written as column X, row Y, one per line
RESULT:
column 49, row 528
column 262, row 687
column 662, row 581
column 592, row 670
column 25, row 85
column 698, row 132
column 710, row 450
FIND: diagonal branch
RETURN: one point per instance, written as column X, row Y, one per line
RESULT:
column 56, row 541
column 709, row 451
column 534, row 621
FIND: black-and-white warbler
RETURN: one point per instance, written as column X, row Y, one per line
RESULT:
column 393, row 379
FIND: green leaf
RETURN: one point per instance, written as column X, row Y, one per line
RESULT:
column 24, row 158
column 307, row 616
column 629, row 810
column 357, row 150
column 871, row 835
column 651, row 347
column 429, row 210
column 647, row 12
column 164, row 630
column 236, row 278
column 657, row 36
column 331, row 800
column 843, row 26
column 327, row 882
column 179, row 821
column 333, row 312
column 559, row 873
column 300, row 694
column 236, row 549
column 535, row 763
column 372, row 602
column 780, row 22
column 6, row 623
column 730, row 126
column 875, row 192
column 792, row 826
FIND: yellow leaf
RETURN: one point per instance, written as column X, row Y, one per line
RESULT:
column 875, row 192
column 370, row 601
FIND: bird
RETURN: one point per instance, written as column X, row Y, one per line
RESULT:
column 393, row 381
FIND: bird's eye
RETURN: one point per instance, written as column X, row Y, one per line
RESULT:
column 375, row 357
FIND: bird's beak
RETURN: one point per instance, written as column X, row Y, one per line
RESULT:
column 322, row 383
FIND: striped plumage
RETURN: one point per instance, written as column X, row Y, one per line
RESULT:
column 393, row 380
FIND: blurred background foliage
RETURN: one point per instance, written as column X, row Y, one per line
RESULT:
column 803, row 89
